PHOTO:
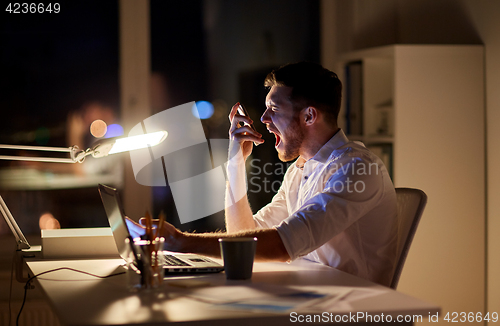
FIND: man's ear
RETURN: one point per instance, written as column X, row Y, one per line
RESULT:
column 310, row 115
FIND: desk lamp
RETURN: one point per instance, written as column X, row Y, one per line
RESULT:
column 100, row 149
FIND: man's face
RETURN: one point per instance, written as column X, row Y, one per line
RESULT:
column 283, row 122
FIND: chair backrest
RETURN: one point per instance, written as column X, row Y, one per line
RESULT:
column 411, row 204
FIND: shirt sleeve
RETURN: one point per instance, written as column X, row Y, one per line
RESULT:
column 273, row 213
column 346, row 197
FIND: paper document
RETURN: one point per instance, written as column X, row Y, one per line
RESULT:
column 236, row 293
column 269, row 297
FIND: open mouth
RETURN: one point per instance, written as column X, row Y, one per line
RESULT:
column 278, row 140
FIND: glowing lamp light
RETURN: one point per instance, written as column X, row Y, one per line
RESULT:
column 137, row 142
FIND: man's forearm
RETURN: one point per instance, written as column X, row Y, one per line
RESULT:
column 239, row 215
column 269, row 244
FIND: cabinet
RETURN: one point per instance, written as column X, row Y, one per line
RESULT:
column 368, row 107
column 426, row 103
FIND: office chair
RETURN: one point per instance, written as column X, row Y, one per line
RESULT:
column 411, row 204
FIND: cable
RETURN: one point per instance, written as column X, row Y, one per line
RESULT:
column 11, row 281
column 55, row 270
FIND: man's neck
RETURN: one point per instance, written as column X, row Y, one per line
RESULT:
column 313, row 144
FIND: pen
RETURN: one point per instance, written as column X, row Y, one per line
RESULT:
column 151, row 247
column 159, row 226
column 161, row 219
column 148, row 226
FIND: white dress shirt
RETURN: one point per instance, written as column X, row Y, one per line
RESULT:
column 339, row 210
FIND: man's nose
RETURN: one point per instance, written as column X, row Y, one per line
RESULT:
column 265, row 117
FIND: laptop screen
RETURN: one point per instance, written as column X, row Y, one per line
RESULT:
column 116, row 217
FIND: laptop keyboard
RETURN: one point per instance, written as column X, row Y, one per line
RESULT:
column 171, row 260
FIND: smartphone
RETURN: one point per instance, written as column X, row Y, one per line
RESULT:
column 242, row 111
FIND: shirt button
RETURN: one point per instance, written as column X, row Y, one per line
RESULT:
column 305, row 177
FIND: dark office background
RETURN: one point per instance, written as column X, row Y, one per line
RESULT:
column 217, row 51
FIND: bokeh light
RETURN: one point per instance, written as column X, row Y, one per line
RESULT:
column 203, row 109
column 98, row 128
column 114, row 130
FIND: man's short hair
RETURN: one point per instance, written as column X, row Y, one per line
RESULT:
column 312, row 85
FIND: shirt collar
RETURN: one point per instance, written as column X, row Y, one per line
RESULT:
column 338, row 140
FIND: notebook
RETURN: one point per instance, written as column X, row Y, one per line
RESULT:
column 175, row 262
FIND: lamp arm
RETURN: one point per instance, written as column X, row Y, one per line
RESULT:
column 76, row 155
column 100, row 149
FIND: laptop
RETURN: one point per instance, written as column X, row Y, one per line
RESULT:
column 175, row 263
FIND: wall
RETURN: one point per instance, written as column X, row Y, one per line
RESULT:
column 358, row 24
column 484, row 14
column 134, row 89
column 251, row 34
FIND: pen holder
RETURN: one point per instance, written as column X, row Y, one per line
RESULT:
column 145, row 264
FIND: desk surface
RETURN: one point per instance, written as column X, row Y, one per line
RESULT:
column 79, row 299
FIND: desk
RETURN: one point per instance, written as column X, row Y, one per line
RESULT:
column 79, row 299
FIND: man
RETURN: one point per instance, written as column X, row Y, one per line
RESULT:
column 337, row 203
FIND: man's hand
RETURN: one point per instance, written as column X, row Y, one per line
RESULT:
column 135, row 229
column 270, row 247
column 168, row 231
column 241, row 138
column 238, row 213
